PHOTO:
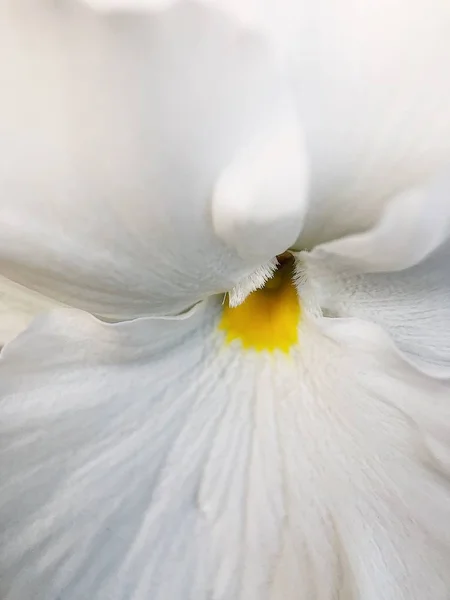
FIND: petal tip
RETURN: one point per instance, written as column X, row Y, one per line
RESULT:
column 259, row 200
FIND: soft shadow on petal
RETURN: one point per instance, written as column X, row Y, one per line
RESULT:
column 409, row 229
column 377, row 438
column 115, row 130
column 18, row 307
column 396, row 274
column 372, row 85
column 128, row 473
column 413, row 305
column 149, row 460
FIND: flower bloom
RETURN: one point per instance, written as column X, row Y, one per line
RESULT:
column 225, row 300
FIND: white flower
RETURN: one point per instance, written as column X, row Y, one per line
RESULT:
column 296, row 447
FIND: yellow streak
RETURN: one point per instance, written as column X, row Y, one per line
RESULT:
column 268, row 319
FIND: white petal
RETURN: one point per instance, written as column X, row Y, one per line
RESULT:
column 149, row 460
column 411, row 298
column 18, row 307
column 372, row 86
column 411, row 227
column 116, row 129
column 127, row 5
column 413, row 305
column 247, row 11
column 258, row 201
column 248, row 285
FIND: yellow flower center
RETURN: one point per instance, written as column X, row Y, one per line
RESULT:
column 268, row 319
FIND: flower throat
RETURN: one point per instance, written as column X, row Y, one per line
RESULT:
column 268, row 318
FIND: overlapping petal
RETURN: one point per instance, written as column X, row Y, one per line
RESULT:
column 18, row 307
column 118, row 127
column 413, row 305
column 410, row 228
column 372, row 87
column 149, row 460
column 396, row 274
column 115, row 131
